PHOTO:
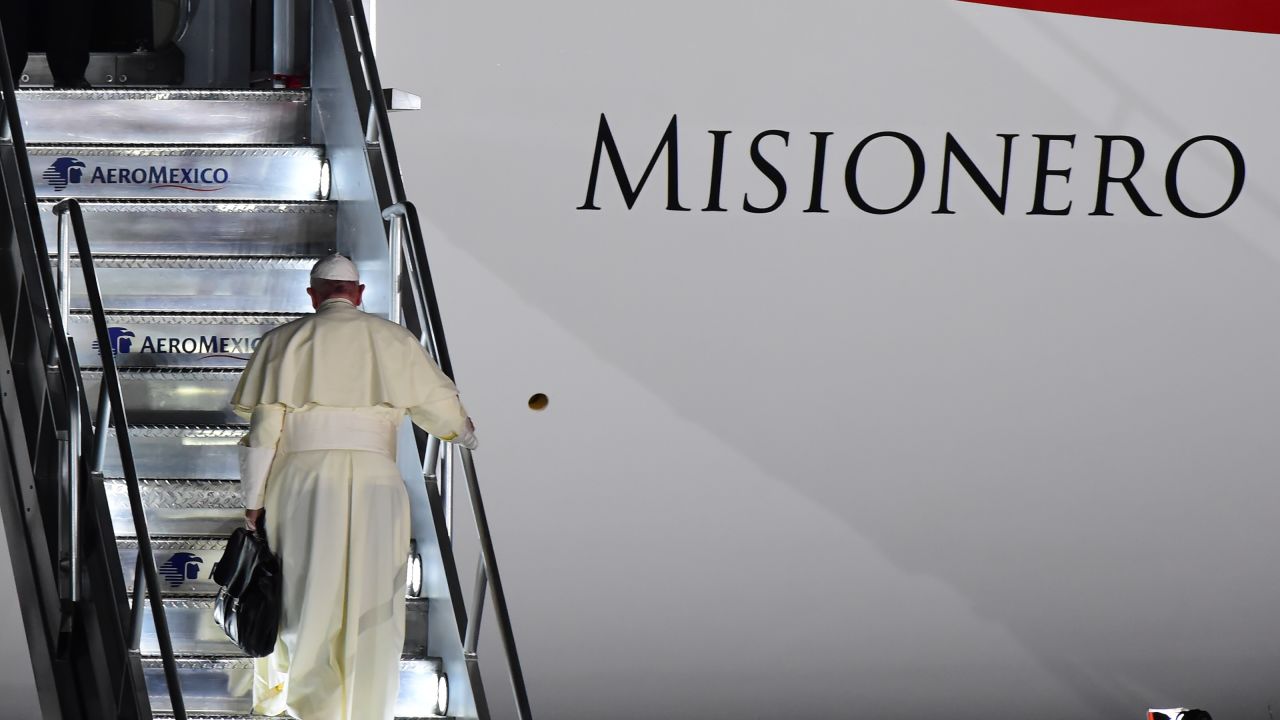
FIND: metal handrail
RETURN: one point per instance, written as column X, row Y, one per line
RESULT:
column 36, row 269
column 111, row 410
column 490, row 567
column 406, row 240
column 34, row 253
column 487, row 572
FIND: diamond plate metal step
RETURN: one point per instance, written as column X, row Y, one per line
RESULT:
column 180, row 452
column 193, row 631
column 224, row 716
column 182, row 227
column 210, row 117
column 159, row 339
column 197, row 283
column 225, row 685
column 187, row 172
column 157, row 396
column 179, row 507
column 185, row 564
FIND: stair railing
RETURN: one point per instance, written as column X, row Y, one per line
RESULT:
column 111, row 411
column 25, row 216
column 60, row 355
column 407, row 251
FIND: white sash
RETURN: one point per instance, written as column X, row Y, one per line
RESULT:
column 337, row 429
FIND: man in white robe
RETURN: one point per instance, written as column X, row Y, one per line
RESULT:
column 325, row 396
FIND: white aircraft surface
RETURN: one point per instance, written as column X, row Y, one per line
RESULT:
column 904, row 358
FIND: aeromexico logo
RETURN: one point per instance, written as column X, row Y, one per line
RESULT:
column 1036, row 173
column 67, row 171
column 181, row 568
column 64, row 171
column 121, row 339
column 125, row 341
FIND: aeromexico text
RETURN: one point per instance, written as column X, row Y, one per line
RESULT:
column 202, row 344
column 67, row 170
column 159, row 174
column 125, row 341
column 1120, row 160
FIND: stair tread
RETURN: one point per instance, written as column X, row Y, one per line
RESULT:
column 162, row 373
column 203, row 226
column 117, row 170
column 198, row 452
column 225, row 716
column 160, row 261
column 165, row 542
column 216, row 495
column 178, row 205
column 242, row 662
column 165, row 94
column 206, row 600
column 183, row 338
column 164, row 115
column 170, row 481
column 171, row 316
column 140, row 149
column 177, row 554
column 181, row 430
column 235, row 671
column 195, row 633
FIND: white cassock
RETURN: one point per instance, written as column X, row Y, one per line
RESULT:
column 325, row 395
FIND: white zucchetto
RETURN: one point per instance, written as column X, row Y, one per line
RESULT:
column 335, row 267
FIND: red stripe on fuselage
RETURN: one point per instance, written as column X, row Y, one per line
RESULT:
column 1250, row 15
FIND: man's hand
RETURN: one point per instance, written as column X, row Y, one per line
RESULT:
column 251, row 518
column 468, row 438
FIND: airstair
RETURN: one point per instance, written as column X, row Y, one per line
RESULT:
column 189, row 286
column 205, row 210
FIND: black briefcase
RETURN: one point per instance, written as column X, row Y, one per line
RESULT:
column 248, row 604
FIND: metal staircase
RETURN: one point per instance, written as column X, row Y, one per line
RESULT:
column 152, row 237
column 189, row 285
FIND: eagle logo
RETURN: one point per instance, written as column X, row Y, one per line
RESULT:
column 180, row 568
column 119, row 337
column 64, row 171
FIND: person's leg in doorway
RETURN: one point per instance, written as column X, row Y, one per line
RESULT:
column 69, row 23
column 13, row 15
